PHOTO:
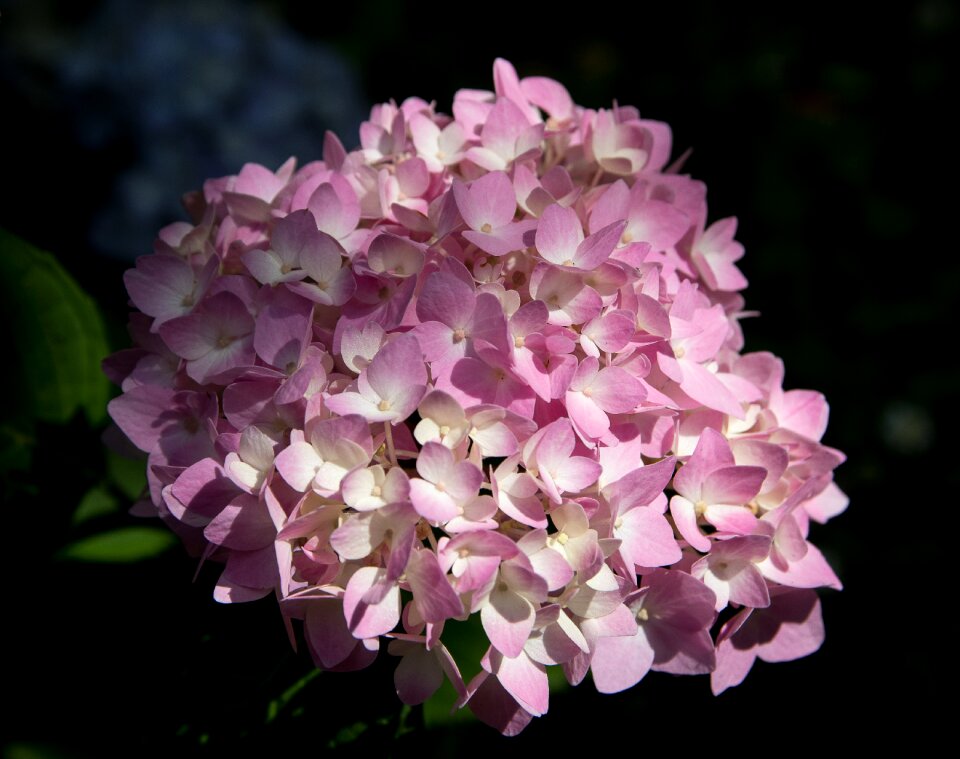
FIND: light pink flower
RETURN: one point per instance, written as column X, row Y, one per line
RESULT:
column 460, row 374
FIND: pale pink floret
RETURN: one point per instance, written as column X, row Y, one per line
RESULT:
column 371, row 488
column 281, row 262
column 730, row 571
column 673, row 614
column 547, row 458
column 710, row 486
column 569, row 300
column 596, row 393
column 560, row 240
column 487, row 206
column 464, row 371
column 328, row 281
column 609, row 333
column 166, row 287
column 437, row 147
column 715, row 253
column 330, row 449
column 646, row 537
column 575, row 540
column 791, row 627
column 453, row 316
column 618, row 147
column 506, row 137
column 445, row 486
column 509, row 611
column 389, row 389
column 215, row 339
column 396, row 256
column 359, row 346
column 473, row 559
column 253, row 459
column 442, row 420
column 657, row 223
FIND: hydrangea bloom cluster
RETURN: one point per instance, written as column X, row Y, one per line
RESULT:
column 484, row 365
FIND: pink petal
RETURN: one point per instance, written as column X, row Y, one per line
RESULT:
column 397, row 370
column 559, row 233
column 494, row 706
column 435, row 599
column 733, row 485
column 526, row 681
column 647, row 537
column 488, row 202
column 370, row 620
column 620, row 662
column 244, row 525
column 418, row 675
column 507, row 619
column 327, row 633
column 597, row 248
column 445, row 299
column 685, row 517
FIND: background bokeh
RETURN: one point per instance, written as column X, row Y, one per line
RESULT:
column 821, row 126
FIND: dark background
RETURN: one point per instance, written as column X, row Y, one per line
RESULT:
column 821, row 126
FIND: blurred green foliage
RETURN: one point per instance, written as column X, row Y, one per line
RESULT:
column 58, row 336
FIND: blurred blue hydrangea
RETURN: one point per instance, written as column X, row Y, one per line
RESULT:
column 198, row 89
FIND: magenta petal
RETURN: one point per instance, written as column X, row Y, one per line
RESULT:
column 734, row 659
column 559, row 233
column 736, row 520
column 597, row 247
column 590, row 420
column 578, row 474
column 702, row 385
column 139, row 413
column 812, row 571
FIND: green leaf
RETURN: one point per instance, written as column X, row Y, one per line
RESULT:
column 123, row 545
column 278, row 704
column 58, row 336
column 31, row 751
column 348, row 734
column 438, row 709
column 97, row 502
column 16, row 447
column 129, row 476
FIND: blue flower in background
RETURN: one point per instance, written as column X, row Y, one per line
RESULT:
column 196, row 90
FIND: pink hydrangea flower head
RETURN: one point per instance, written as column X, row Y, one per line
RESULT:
column 482, row 366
